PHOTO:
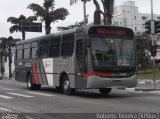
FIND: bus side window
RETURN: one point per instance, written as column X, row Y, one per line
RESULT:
column 67, row 45
column 44, row 48
column 55, row 47
column 19, row 52
column 34, row 50
column 27, row 51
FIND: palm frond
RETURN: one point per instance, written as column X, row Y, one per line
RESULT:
column 39, row 11
column 14, row 28
column 22, row 18
column 48, row 3
column 59, row 14
column 73, row 1
column 13, row 20
column 31, row 18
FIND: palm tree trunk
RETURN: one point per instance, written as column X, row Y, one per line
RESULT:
column 47, row 26
column 10, row 62
column 108, row 11
column 23, row 35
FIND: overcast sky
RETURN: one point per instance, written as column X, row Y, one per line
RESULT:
column 17, row 7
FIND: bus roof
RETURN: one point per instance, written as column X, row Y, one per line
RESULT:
column 79, row 29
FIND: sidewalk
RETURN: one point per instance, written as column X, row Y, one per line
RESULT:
column 147, row 85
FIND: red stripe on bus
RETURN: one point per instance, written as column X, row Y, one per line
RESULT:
column 97, row 74
column 35, row 74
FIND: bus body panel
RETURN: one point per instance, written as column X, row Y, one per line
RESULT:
column 48, row 71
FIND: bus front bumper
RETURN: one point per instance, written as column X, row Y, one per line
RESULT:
column 98, row 82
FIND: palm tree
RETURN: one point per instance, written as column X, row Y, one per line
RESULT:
column 17, row 21
column 48, row 14
column 108, row 11
column 7, row 43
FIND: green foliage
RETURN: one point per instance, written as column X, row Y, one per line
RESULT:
column 143, row 45
column 148, row 74
column 16, row 22
column 77, row 24
column 48, row 14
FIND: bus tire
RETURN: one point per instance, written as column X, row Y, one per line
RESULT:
column 30, row 85
column 66, row 86
column 105, row 91
column 37, row 86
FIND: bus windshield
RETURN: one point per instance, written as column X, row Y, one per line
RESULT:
column 112, row 52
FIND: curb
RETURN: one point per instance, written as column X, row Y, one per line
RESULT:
column 148, row 82
column 138, row 89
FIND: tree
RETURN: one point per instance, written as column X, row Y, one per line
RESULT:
column 143, row 45
column 75, row 1
column 17, row 21
column 48, row 14
column 77, row 24
column 107, row 10
column 7, row 43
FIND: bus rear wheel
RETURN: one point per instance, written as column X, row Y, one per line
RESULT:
column 30, row 85
column 66, row 86
column 105, row 91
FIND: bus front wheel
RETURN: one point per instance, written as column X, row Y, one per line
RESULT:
column 105, row 91
column 66, row 86
column 30, row 85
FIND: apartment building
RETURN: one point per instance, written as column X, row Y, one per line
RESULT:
column 128, row 15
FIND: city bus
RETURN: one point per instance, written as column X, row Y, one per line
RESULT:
column 89, row 57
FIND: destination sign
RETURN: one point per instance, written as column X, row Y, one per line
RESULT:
column 110, row 31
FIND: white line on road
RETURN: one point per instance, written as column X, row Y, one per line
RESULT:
column 4, row 109
column 28, row 117
column 43, row 94
column 22, row 95
column 154, row 98
column 7, row 88
column 6, row 97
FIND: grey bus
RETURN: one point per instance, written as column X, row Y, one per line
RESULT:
column 88, row 57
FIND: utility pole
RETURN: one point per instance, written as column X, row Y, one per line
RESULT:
column 153, row 42
column 84, row 8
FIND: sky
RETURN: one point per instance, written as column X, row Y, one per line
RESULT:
column 15, row 8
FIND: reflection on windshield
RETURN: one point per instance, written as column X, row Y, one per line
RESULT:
column 109, row 52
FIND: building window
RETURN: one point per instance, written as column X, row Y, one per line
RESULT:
column 115, row 23
column 134, row 17
column 125, row 22
column 143, row 17
column 135, row 28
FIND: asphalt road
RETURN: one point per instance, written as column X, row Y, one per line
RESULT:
column 47, row 103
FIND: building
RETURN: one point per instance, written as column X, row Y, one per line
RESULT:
column 128, row 15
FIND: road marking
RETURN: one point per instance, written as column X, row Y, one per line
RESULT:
column 156, row 98
column 22, row 95
column 28, row 117
column 43, row 94
column 7, row 88
column 4, row 109
column 6, row 97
